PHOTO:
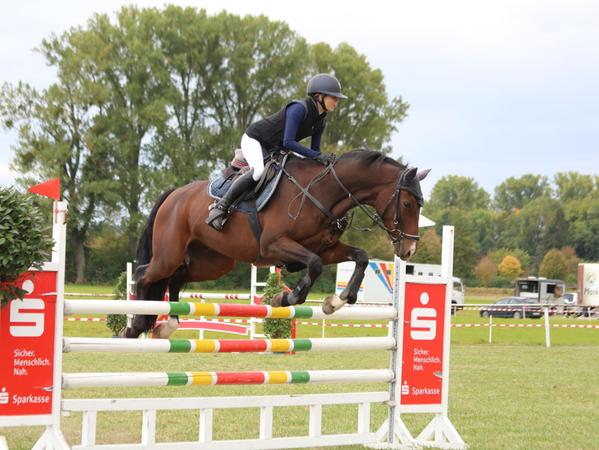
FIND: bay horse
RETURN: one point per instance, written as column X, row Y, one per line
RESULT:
column 300, row 228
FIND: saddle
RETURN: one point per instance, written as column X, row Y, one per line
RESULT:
column 258, row 198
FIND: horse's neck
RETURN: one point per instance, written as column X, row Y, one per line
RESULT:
column 365, row 185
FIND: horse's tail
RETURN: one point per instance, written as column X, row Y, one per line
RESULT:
column 144, row 246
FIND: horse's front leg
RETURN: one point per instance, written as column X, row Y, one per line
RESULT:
column 176, row 282
column 288, row 251
column 340, row 253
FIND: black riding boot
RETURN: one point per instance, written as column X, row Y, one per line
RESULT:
column 219, row 212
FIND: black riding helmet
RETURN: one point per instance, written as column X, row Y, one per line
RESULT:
column 324, row 83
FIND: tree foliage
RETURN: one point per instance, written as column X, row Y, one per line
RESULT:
column 497, row 256
column 515, row 193
column 510, row 267
column 553, row 265
column 485, row 270
column 429, row 248
column 368, row 118
column 155, row 98
column 453, row 191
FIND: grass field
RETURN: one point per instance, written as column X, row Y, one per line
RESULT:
column 512, row 394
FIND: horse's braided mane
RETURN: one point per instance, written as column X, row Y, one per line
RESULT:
column 369, row 157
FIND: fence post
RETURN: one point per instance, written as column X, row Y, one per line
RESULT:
column 547, row 331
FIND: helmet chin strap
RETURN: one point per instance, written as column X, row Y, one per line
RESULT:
column 320, row 101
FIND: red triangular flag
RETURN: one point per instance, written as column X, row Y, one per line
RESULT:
column 47, row 189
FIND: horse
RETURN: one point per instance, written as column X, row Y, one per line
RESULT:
column 300, row 227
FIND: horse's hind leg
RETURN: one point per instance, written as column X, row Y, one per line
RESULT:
column 145, row 291
column 288, row 251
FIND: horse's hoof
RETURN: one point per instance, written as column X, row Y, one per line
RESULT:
column 332, row 303
column 277, row 300
column 164, row 330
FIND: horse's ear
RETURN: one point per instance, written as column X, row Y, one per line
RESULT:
column 410, row 174
column 421, row 175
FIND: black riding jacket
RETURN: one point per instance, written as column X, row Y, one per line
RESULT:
column 270, row 130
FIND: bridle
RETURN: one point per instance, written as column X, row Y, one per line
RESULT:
column 396, row 234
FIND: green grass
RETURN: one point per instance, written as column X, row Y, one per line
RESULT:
column 501, row 396
column 512, row 394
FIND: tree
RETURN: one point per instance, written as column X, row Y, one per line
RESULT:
column 367, row 118
column 515, row 193
column 484, row 226
column 583, row 219
column 224, row 72
column 553, row 265
column 499, row 254
column 429, row 248
column 571, row 260
column 542, row 226
column 572, row 186
column 485, row 270
column 154, row 98
column 455, row 191
column 466, row 247
column 510, row 267
column 56, row 138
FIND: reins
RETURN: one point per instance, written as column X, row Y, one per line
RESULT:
column 396, row 234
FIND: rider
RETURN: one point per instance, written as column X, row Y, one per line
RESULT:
column 292, row 123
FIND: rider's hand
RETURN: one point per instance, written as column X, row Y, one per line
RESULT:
column 325, row 158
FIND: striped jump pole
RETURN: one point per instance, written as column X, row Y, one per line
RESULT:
column 224, row 310
column 225, row 345
column 157, row 379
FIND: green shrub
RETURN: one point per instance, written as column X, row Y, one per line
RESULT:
column 117, row 322
column 275, row 328
column 25, row 241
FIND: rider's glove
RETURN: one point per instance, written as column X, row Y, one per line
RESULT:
column 325, row 158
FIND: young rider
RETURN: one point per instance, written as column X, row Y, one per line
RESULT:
column 283, row 130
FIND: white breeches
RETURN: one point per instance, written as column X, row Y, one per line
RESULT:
column 252, row 152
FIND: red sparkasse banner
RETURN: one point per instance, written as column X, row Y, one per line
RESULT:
column 422, row 353
column 27, row 348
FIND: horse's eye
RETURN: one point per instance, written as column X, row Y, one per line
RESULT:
column 407, row 205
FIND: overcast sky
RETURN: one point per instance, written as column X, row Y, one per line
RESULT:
column 496, row 89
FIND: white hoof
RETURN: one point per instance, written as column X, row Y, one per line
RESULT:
column 332, row 303
column 164, row 330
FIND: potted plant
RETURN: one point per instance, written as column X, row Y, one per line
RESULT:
column 24, row 241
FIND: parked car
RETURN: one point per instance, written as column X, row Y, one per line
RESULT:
column 516, row 307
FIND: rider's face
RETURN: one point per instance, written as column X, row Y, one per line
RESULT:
column 330, row 102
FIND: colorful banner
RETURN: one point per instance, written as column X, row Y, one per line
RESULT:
column 27, row 348
column 422, row 352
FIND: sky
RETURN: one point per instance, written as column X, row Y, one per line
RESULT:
column 496, row 89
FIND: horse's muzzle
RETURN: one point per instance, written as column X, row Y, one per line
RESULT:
column 405, row 249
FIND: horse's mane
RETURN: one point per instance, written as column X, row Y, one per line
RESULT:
column 370, row 157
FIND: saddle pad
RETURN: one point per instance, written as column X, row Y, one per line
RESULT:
column 220, row 185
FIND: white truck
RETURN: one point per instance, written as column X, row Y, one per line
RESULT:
column 542, row 289
column 377, row 286
column 588, row 284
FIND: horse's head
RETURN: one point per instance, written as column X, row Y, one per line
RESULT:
column 402, row 210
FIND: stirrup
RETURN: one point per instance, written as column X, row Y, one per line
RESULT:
column 220, row 217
